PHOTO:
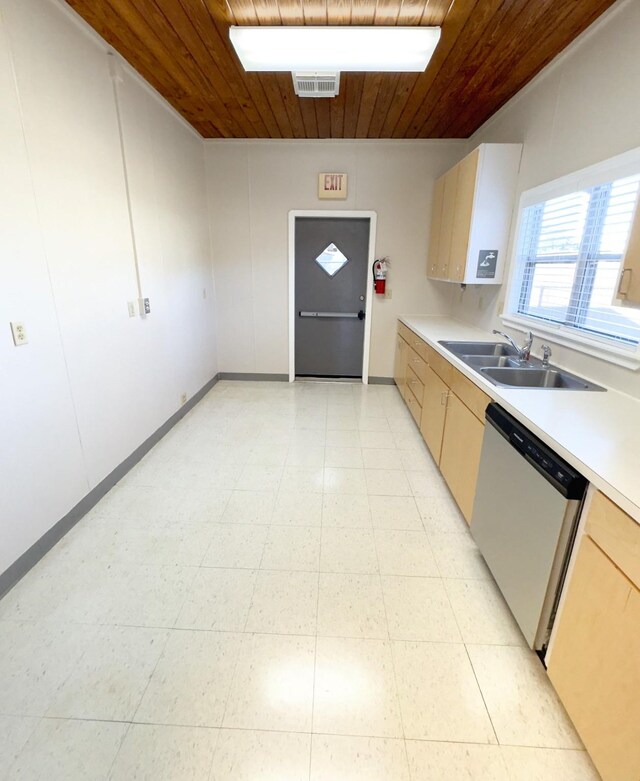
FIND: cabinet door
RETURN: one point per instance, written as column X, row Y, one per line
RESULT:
column 594, row 663
column 436, row 227
column 446, row 225
column 400, row 363
column 629, row 287
column 463, row 210
column 460, row 457
column 434, row 410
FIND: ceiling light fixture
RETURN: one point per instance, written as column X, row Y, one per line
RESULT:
column 392, row 49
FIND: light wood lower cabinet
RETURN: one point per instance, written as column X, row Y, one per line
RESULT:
column 460, row 454
column 414, row 406
column 594, row 663
column 400, row 363
column 616, row 534
column 434, row 412
column 415, row 384
column 448, row 408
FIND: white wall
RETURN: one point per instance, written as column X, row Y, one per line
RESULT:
column 252, row 187
column 92, row 383
column 583, row 108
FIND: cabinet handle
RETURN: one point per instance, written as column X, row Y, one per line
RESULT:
column 622, row 292
column 443, row 398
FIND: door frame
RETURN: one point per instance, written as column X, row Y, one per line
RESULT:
column 346, row 215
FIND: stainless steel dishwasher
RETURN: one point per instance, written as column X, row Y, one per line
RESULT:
column 524, row 521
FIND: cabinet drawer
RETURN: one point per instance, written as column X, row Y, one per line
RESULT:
column 415, row 342
column 440, row 365
column 419, row 346
column 416, row 386
column 406, row 333
column 417, row 364
column 469, row 393
column 617, row 534
column 414, row 408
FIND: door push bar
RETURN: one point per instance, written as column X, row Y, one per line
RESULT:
column 359, row 315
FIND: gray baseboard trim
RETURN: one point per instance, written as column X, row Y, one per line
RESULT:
column 32, row 556
column 381, row 381
column 254, row 377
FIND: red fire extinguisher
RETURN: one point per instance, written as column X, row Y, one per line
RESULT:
column 380, row 268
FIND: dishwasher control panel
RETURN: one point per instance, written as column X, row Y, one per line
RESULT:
column 571, row 483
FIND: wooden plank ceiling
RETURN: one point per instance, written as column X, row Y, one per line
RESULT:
column 489, row 50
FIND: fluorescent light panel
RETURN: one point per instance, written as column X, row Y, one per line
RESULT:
column 344, row 48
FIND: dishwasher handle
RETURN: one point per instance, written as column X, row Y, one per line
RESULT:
column 563, row 477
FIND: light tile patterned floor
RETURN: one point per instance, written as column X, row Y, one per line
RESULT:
column 282, row 590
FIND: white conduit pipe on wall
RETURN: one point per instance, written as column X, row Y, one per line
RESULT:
column 116, row 80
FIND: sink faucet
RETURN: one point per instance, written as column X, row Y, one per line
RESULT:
column 523, row 352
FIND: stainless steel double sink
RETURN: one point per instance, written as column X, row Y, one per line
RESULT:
column 499, row 363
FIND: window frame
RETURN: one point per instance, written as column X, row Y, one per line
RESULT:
column 591, row 343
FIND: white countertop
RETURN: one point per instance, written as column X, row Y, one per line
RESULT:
column 597, row 433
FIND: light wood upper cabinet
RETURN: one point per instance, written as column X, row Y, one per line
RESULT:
column 446, row 222
column 594, row 663
column 462, row 213
column 434, row 411
column 436, row 219
column 629, row 286
column 471, row 216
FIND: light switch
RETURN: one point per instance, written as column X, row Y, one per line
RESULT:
column 19, row 333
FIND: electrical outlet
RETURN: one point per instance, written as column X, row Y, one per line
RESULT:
column 145, row 306
column 388, row 293
column 131, row 306
column 183, row 398
column 19, row 333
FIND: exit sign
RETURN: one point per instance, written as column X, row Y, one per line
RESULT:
column 332, row 186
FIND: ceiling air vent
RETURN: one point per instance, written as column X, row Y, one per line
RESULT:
column 316, row 85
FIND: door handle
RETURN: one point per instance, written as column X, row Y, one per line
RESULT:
column 359, row 315
column 623, row 293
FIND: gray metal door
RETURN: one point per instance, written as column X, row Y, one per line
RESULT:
column 331, row 271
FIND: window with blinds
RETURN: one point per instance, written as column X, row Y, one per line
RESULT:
column 569, row 253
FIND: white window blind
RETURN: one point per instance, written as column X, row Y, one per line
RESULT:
column 569, row 253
